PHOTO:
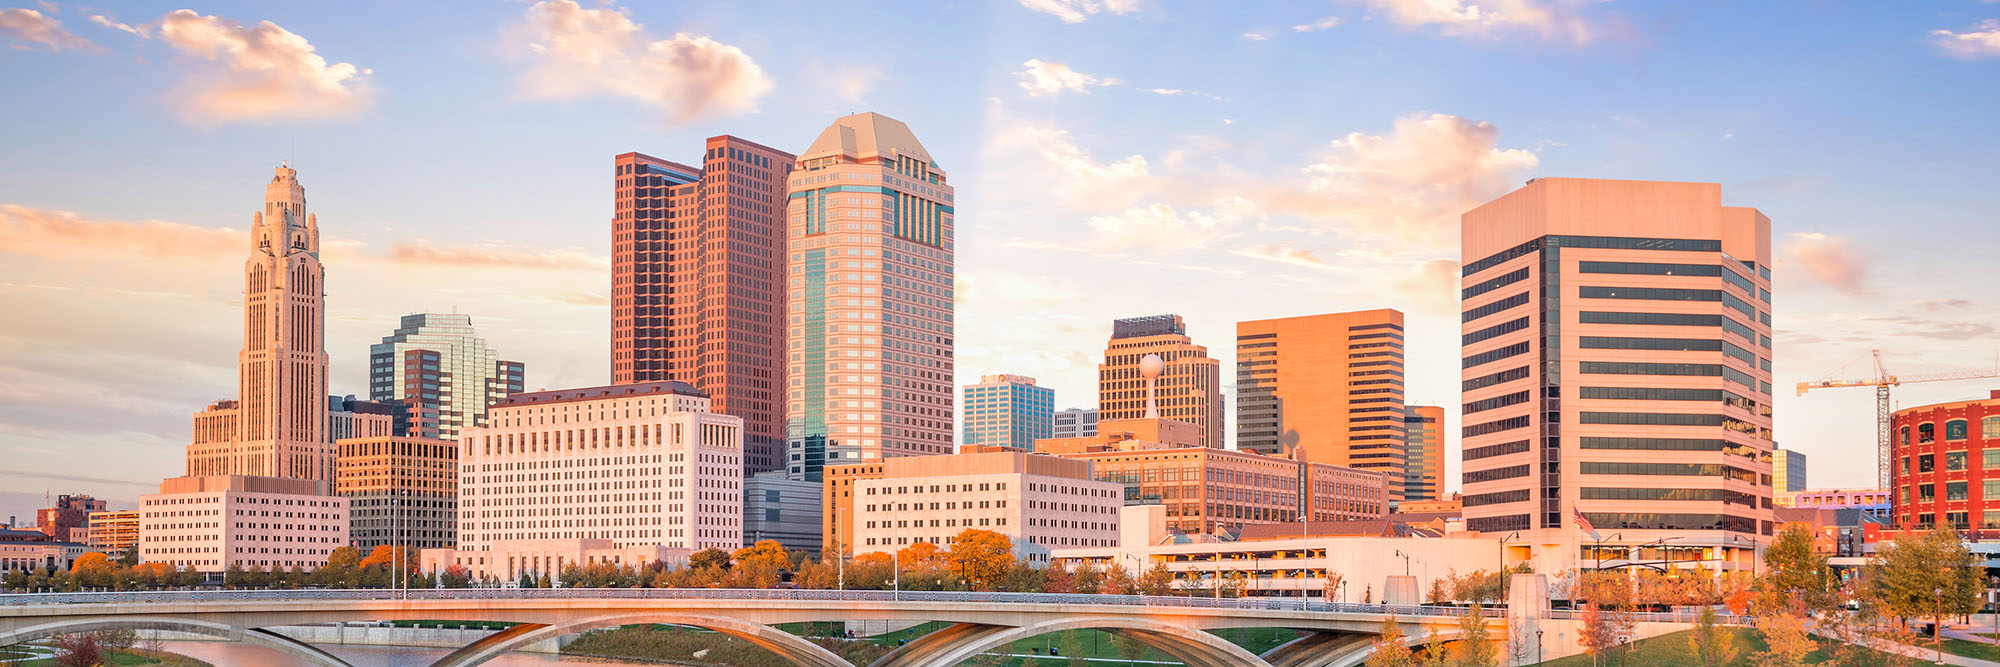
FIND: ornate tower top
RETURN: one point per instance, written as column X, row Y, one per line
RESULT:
column 291, row 229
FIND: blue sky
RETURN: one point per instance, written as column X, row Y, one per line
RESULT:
column 1225, row 161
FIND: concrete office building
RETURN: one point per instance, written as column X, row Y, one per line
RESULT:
column 1324, row 388
column 1423, row 452
column 211, row 523
column 698, row 282
column 1041, row 502
column 278, row 424
column 777, row 507
column 871, row 296
column 441, row 374
column 31, row 551
column 1219, row 491
column 1616, row 367
column 400, row 490
column 113, row 531
column 1189, row 388
column 1074, row 423
column 1007, row 411
column 637, row 465
column 347, row 417
column 1788, row 472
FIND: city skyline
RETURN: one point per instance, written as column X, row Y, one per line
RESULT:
column 1204, row 223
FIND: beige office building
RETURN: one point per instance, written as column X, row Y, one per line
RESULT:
column 114, row 531
column 400, row 490
column 1326, row 389
column 1190, row 386
column 210, row 523
column 1617, row 366
column 1042, row 502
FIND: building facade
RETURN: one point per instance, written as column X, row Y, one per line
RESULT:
column 777, row 507
column 639, row 465
column 1207, row 490
column 31, row 551
column 1189, row 388
column 1939, row 470
column 1423, row 452
column 871, row 287
column 70, row 512
column 1617, row 365
column 280, row 411
column 1007, row 411
column 698, row 282
column 400, row 491
column 114, row 531
column 348, row 417
column 441, row 374
column 1040, row 502
column 1324, row 388
column 1074, row 423
column 1788, row 471
column 209, row 524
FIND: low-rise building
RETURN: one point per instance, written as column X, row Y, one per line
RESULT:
column 1041, row 502
column 210, row 523
column 400, row 490
column 70, row 512
column 776, row 507
column 36, row 551
column 505, row 562
column 113, row 531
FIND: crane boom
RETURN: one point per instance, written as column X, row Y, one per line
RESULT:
column 1882, row 382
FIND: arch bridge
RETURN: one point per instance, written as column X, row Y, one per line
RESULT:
column 1336, row 634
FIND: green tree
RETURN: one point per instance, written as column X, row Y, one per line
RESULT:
column 1794, row 571
column 1475, row 647
column 710, row 557
column 1390, row 647
column 1906, row 577
column 1711, row 644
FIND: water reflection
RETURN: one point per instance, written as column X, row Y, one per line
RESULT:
column 231, row 654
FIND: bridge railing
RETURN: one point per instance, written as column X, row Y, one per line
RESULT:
column 311, row 595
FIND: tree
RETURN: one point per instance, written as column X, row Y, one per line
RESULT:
column 1785, row 635
column 1904, row 578
column 1710, row 643
column 1794, row 571
column 1118, row 581
column 1156, row 581
column 710, row 557
column 1390, row 648
column 1598, row 633
column 1089, row 579
column 981, row 557
column 1333, row 580
column 345, row 558
column 919, row 555
column 1437, row 594
column 455, row 576
column 870, row 571
column 1056, row 578
column 78, row 650
column 1475, row 647
column 768, row 553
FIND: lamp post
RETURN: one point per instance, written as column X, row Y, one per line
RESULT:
column 1503, row 549
column 1305, row 552
column 1538, row 646
column 1406, row 562
column 1937, row 625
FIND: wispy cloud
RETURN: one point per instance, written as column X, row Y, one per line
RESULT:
column 1163, row 229
column 1284, row 255
column 1827, row 259
column 1413, row 181
column 1076, row 11
column 112, row 23
column 494, row 255
column 1326, row 23
column 1085, row 180
column 1179, row 91
column 259, row 73
column 1552, row 20
column 1980, row 42
column 1046, row 77
column 66, row 235
column 1256, row 36
column 575, row 52
column 33, row 29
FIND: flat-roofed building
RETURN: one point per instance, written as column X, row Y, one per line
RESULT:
column 211, row 523
column 638, row 465
column 1423, row 452
column 1324, row 388
column 1074, row 423
column 1220, row 491
column 1007, row 411
column 777, row 507
column 114, row 531
column 400, row 490
column 1041, row 502
column 1189, row 382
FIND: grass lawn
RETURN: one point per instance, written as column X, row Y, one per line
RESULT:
column 1671, row 650
column 1097, row 645
column 1982, row 651
column 12, row 657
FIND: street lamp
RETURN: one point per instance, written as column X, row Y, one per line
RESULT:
column 1538, row 646
column 1503, row 549
column 1406, row 562
column 1937, row 625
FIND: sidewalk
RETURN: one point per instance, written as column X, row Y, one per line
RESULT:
column 1928, row 654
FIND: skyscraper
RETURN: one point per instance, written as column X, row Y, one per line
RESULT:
column 698, row 282
column 871, row 294
column 1788, row 471
column 280, row 415
column 1008, row 411
column 441, row 372
column 1423, row 452
column 1617, row 366
column 1324, row 388
column 1190, row 389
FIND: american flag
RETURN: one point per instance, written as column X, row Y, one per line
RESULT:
column 1583, row 524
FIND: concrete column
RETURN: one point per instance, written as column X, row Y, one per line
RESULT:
column 1527, row 606
column 1400, row 589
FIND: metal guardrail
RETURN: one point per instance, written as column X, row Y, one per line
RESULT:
column 311, row 595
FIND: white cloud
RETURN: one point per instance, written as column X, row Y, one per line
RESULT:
column 1554, row 20
column 1316, row 26
column 1981, row 43
column 1284, row 254
column 1162, row 229
column 108, row 22
column 34, row 28
column 576, row 52
column 1082, row 179
column 1256, row 36
column 1044, row 77
column 1076, row 11
column 852, row 83
column 266, row 72
column 1178, row 91
column 1827, row 259
column 1414, row 181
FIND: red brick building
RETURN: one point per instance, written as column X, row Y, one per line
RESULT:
column 698, row 282
column 1945, row 466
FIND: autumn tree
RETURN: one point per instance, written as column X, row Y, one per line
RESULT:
column 1795, row 573
column 1157, row 580
column 1599, row 632
column 1056, row 578
column 1333, row 581
column 981, row 557
column 1905, row 577
column 1118, row 581
column 1787, row 643
column 1711, row 644
column 873, row 570
column 1391, row 649
column 919, row 556
column 1089, row 579
column 765, row 554
column 710, row 557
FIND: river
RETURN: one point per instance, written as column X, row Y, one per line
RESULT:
column 232, row 654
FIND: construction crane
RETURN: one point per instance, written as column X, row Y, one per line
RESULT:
column 1882, row 382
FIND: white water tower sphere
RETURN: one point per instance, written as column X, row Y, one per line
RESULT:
column 1151, row 366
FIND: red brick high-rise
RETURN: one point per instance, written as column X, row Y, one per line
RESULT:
column 698, row 282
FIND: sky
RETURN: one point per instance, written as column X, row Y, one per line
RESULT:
column 1112, row 158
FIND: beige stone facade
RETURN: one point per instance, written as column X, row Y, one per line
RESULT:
column 504, row 562
column 1042, row 502
column 210, row 523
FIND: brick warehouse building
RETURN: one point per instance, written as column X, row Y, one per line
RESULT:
column 1940, row 470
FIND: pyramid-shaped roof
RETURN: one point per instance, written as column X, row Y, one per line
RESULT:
column 865, row 135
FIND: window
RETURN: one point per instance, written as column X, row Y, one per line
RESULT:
column 1496, row 378
column 1926, row 462
column 1623, row 368
column 1988, row 461
column 1495, row 307
column 1905, row 436
column 1954, row 460
column 1954, row 429
column 1989, row 491
column 1926, row 493
column 1649, row 293
column 1512, row 277
column 1989, row 427
column 1639, row 268
column 1954, row 491
column 1926, row 432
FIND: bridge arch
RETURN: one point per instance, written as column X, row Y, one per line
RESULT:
column 1357, row 653
column 253, row 636
column 958, row 643
column 786, row 645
